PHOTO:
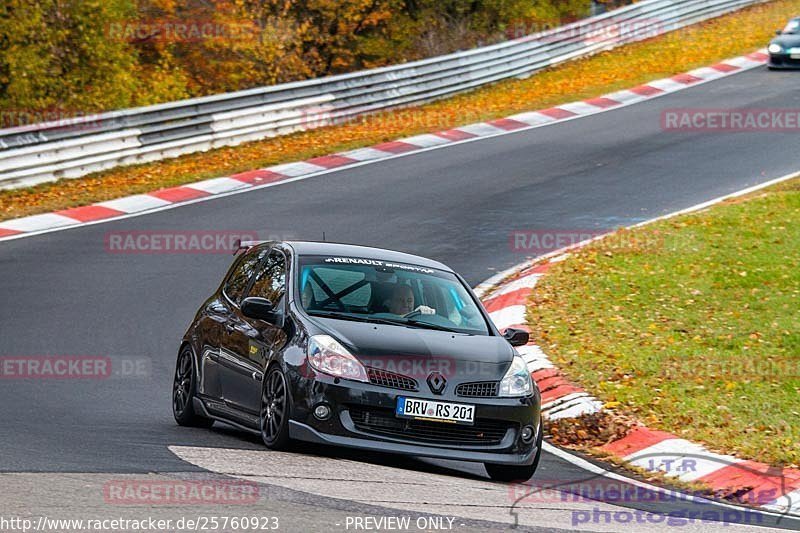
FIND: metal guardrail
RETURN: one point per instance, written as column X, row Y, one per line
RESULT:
column 50, row 151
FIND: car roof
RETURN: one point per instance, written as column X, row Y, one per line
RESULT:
column 302, row 248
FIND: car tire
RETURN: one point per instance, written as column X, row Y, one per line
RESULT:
column 184, row 385
column 509, row 473
column 276, row 408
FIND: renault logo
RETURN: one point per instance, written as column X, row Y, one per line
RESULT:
column 436, row 382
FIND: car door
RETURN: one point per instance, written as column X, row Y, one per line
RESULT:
column 214, row 319
column 226, row 310
column 250, row 342
column 210, row 329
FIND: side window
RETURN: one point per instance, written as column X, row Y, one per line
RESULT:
column 244, row 270
column 270, row 282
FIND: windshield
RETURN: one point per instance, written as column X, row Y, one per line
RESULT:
column 371, row 290
column 792, row 27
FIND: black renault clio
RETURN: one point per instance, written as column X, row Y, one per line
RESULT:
column 360, row 347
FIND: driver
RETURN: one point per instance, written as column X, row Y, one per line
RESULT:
column 402, row 302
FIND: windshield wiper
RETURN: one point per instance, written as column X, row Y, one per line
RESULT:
column 428, row 325
column 388, row 321
column 418, row 324
column 354, row 318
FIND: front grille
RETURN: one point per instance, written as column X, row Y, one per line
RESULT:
column 385, row 378
column 383, row 422
column 785, row 61
column 478, row 389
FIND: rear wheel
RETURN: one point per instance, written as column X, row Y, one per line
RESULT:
column 183, row 392
column 509, row 473
column 275, row 410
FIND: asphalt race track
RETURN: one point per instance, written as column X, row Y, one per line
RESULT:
column 65, row 294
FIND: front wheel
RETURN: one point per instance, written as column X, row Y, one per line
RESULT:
column 275, row 410
column 509, row 473
column 183, row 392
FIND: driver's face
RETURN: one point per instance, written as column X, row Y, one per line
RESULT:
column 402, row 301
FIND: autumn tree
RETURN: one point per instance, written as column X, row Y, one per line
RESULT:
column 325, row 36
column 107, row 54
column 57, row 53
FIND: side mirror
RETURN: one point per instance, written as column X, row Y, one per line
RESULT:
column 260, row 309
column 516, row 337
column 778, row 32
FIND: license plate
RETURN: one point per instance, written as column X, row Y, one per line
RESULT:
column 451, row 413
column 795, row 56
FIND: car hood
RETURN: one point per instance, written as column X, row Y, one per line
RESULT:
column 787, row 41
column 397, row 347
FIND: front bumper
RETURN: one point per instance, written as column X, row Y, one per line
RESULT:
column 306, row 433
column 784, row 61
column 363, row 417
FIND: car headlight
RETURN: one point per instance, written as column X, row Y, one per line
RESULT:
column 775, row 48
column 328, row 356
column 517, row 381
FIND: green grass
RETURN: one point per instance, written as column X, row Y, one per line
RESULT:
column 691, row 324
